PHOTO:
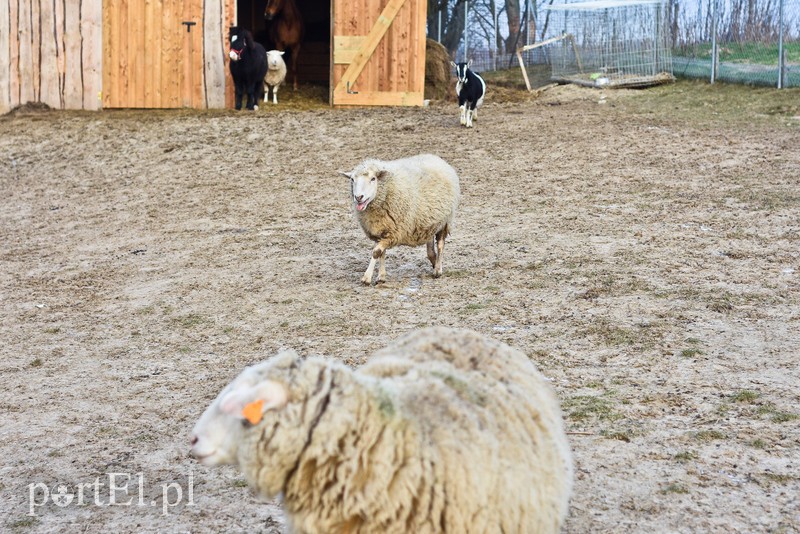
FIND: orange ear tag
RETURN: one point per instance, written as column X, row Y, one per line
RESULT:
column 252, row 411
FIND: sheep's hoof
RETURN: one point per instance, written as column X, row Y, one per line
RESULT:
column 366, row 281
column 437, row 274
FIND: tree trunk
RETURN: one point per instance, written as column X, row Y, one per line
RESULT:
column 454, row 28
column 512, row 12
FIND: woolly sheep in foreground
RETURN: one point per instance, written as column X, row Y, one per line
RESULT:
column 410, row 201
column 276, row 74
column 443, row 431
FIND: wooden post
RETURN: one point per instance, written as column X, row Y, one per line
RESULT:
column 5, row 59
column 25, row 58
column 215, row 37
column 540, row 44
column 577, row 54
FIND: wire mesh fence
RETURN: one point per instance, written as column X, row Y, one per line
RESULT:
column 617, row 43
column 740, row 41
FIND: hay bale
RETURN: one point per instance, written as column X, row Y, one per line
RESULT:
column 438, row 84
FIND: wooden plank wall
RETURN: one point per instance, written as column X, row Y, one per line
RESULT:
column 50, row 53
column 151, row 60
column 395, row 73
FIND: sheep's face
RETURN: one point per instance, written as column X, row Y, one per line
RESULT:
column 274, row 58
column 235, row 414
column 364, row 184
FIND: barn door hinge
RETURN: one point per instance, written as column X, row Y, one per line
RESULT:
column 349, row 92
column 188, row 24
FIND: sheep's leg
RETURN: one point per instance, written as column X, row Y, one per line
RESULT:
column 378, row 254
column 463, row 114
column 469, row 117
column 432, row 251
column 266, row 93
column 437, row 268
column 381, row 269
column 275, row 94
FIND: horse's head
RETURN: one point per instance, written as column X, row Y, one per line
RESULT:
column 240, row 40
column 273, row 8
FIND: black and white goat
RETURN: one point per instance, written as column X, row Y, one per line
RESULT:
column 470, row 89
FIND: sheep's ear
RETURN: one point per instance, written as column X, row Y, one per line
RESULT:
column 250, row 402
column 348, row 174
column 382, row 174
column 453, row 64
column 282, row 52
column 469, row 63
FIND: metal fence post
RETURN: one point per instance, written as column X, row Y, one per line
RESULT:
column 466, row 30
column 781, row 54
column 494, row 44
column 714, row 50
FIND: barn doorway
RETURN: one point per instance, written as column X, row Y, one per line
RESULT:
column 314, row 61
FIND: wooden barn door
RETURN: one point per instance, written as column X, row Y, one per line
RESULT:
column 378, row 49
column 153, row 54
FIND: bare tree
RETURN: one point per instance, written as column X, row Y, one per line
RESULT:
column 452, row 22
column 513, row 16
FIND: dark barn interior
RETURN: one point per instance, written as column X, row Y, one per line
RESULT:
column 313, row 62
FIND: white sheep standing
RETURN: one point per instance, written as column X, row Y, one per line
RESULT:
column 410, row 201
column 443, row 431
column 276, row 74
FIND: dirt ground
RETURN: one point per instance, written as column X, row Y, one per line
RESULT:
column 643, row 248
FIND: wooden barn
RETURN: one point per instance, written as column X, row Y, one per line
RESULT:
column 104, row 54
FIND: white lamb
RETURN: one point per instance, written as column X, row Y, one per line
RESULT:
column 410, row 201
column 443, row 431
column 276, row 74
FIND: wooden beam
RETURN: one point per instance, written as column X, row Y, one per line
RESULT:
column 25, row 40
column 13, row 53
column 545, row 42
column 418, row 83
column 5, row 59
column 36, row 49
column 61, row 60
column 198, row 69
column 374, row 37
column 399, row 98
column 231, row 18
column 214, row 35
column 524, row 71
column 345, row 48
column 92, row 32
column 537, row 45
column 48, row 48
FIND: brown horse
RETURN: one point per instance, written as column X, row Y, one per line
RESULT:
column 286, row 28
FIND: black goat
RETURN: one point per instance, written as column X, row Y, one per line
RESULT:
column 470, row 89
column 248, row 67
